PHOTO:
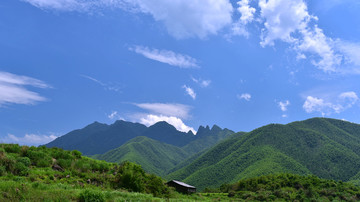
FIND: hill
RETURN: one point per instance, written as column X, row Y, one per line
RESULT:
column 158, row 157
column 154, row 156
column 327, row 148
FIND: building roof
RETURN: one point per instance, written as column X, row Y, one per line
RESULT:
column 183, row 184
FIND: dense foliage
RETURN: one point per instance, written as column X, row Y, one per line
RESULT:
column 290, row 187
column 25, row 168
column 154, row 156
column 327, row 148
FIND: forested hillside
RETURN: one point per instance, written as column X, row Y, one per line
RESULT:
column 327, row 148
column 158, row 157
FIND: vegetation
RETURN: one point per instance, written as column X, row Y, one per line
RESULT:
column 326, row 148
column 40, row 173
column 290, row 187
column 158, row 157
column 154, row 156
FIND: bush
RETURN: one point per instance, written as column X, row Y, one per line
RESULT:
column 20, row 169
column 25, row 160
column 91, row 196
column 12, row 148
column 76, row 153
column 64, row 163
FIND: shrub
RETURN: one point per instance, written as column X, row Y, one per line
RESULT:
column 64, row 163
column 76, row 153
column 91, row 196
column 21, row 169
column 12, row 148
column 25, row 160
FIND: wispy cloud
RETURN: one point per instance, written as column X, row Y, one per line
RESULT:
column 182, row 19
column 166, row 56
column 114, row 115
column 77, row 5
column 190, row 92
column 167, row 109
column 203, row 83
column 244, row 96
column 29, row 139
column 13, row 91
column 189, row 18
column 106, row 86
column 342, row 102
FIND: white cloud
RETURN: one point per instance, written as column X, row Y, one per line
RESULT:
column 290, row 21
column 283, row 105
column 189, row 18
column 190, row 92
column 316, row 104
column 12, row 89
column 177, row 110
column 151, row 119
column 201, row 82
column 166, row 56
column 244, row 96
column 247, row 12
column 247, row 16
column 282, row 18
column 28, row 139
column 342, row 102
column 171, row 113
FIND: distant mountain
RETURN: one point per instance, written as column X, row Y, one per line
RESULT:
column 327, row 148
column 99, row 138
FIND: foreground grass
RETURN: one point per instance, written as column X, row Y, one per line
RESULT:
column 21, row 190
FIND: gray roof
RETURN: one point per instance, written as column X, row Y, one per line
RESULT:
column 183, row 184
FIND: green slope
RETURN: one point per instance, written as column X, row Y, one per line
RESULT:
column 327, row 148
column 158, row 157
column 154, row 156
column 53, row 174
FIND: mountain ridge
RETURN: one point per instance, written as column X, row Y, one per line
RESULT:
column 325, row 147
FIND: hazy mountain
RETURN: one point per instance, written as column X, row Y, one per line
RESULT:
column 99, row 138
column 327, row 148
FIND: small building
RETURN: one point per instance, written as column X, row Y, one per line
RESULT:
column 182, row 187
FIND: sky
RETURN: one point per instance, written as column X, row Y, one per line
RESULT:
column 238, row 64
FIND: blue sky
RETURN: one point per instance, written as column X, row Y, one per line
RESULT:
column 238, row 64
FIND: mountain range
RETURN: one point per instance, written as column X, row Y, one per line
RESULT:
column 327, row 148
column 158, row 148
